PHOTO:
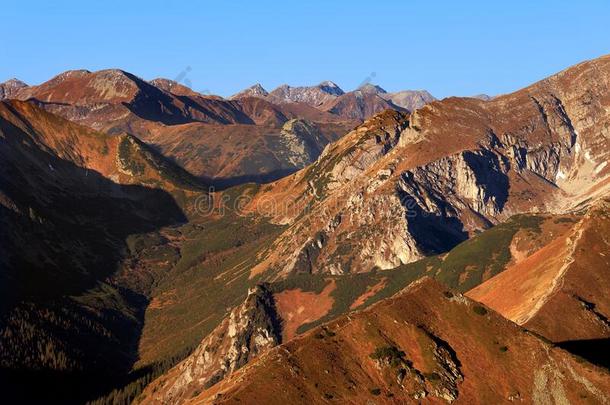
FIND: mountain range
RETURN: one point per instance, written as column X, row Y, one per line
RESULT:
column 305, row 244
column 193, row 128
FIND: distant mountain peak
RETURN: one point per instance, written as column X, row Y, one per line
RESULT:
column 9, row 88
column 256, row 90
column 328, row 83
column 371, row 88
column 409, row 99
column 312, row 95
column 331, row 88
column 15, row 82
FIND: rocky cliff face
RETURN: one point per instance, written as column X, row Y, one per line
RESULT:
column 250, row 329
column 400, row 187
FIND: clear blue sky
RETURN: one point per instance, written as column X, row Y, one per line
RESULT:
column 447, row 47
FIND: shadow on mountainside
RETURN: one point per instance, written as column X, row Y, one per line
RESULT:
column 432, row 232
column 63, row 231
column 596, row 351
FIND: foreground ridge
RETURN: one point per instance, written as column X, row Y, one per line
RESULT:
column 411, row 348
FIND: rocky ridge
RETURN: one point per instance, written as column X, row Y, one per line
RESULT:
column 314, row 96
column 250, row 329
column 412, row 348
column 448, row 170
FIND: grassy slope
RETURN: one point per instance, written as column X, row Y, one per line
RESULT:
column 208, row 273
column 211, row 275
column 464, row 267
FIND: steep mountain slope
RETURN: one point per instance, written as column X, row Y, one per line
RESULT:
column 234, row 154
column 567, row 275
column 301, row 302
column 394, row 200
column 114, row 101
column 179, row 121
column 69, row 198
column 10, row 88
column 251, row 328
column 401, row 187
column 426, row 344
column 172, row 117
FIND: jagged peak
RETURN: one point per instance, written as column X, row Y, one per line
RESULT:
column 327, row 86
column 257, row 86
column 256, row 90
column 251, row 328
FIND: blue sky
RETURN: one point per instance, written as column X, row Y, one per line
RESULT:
column 446, row 47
